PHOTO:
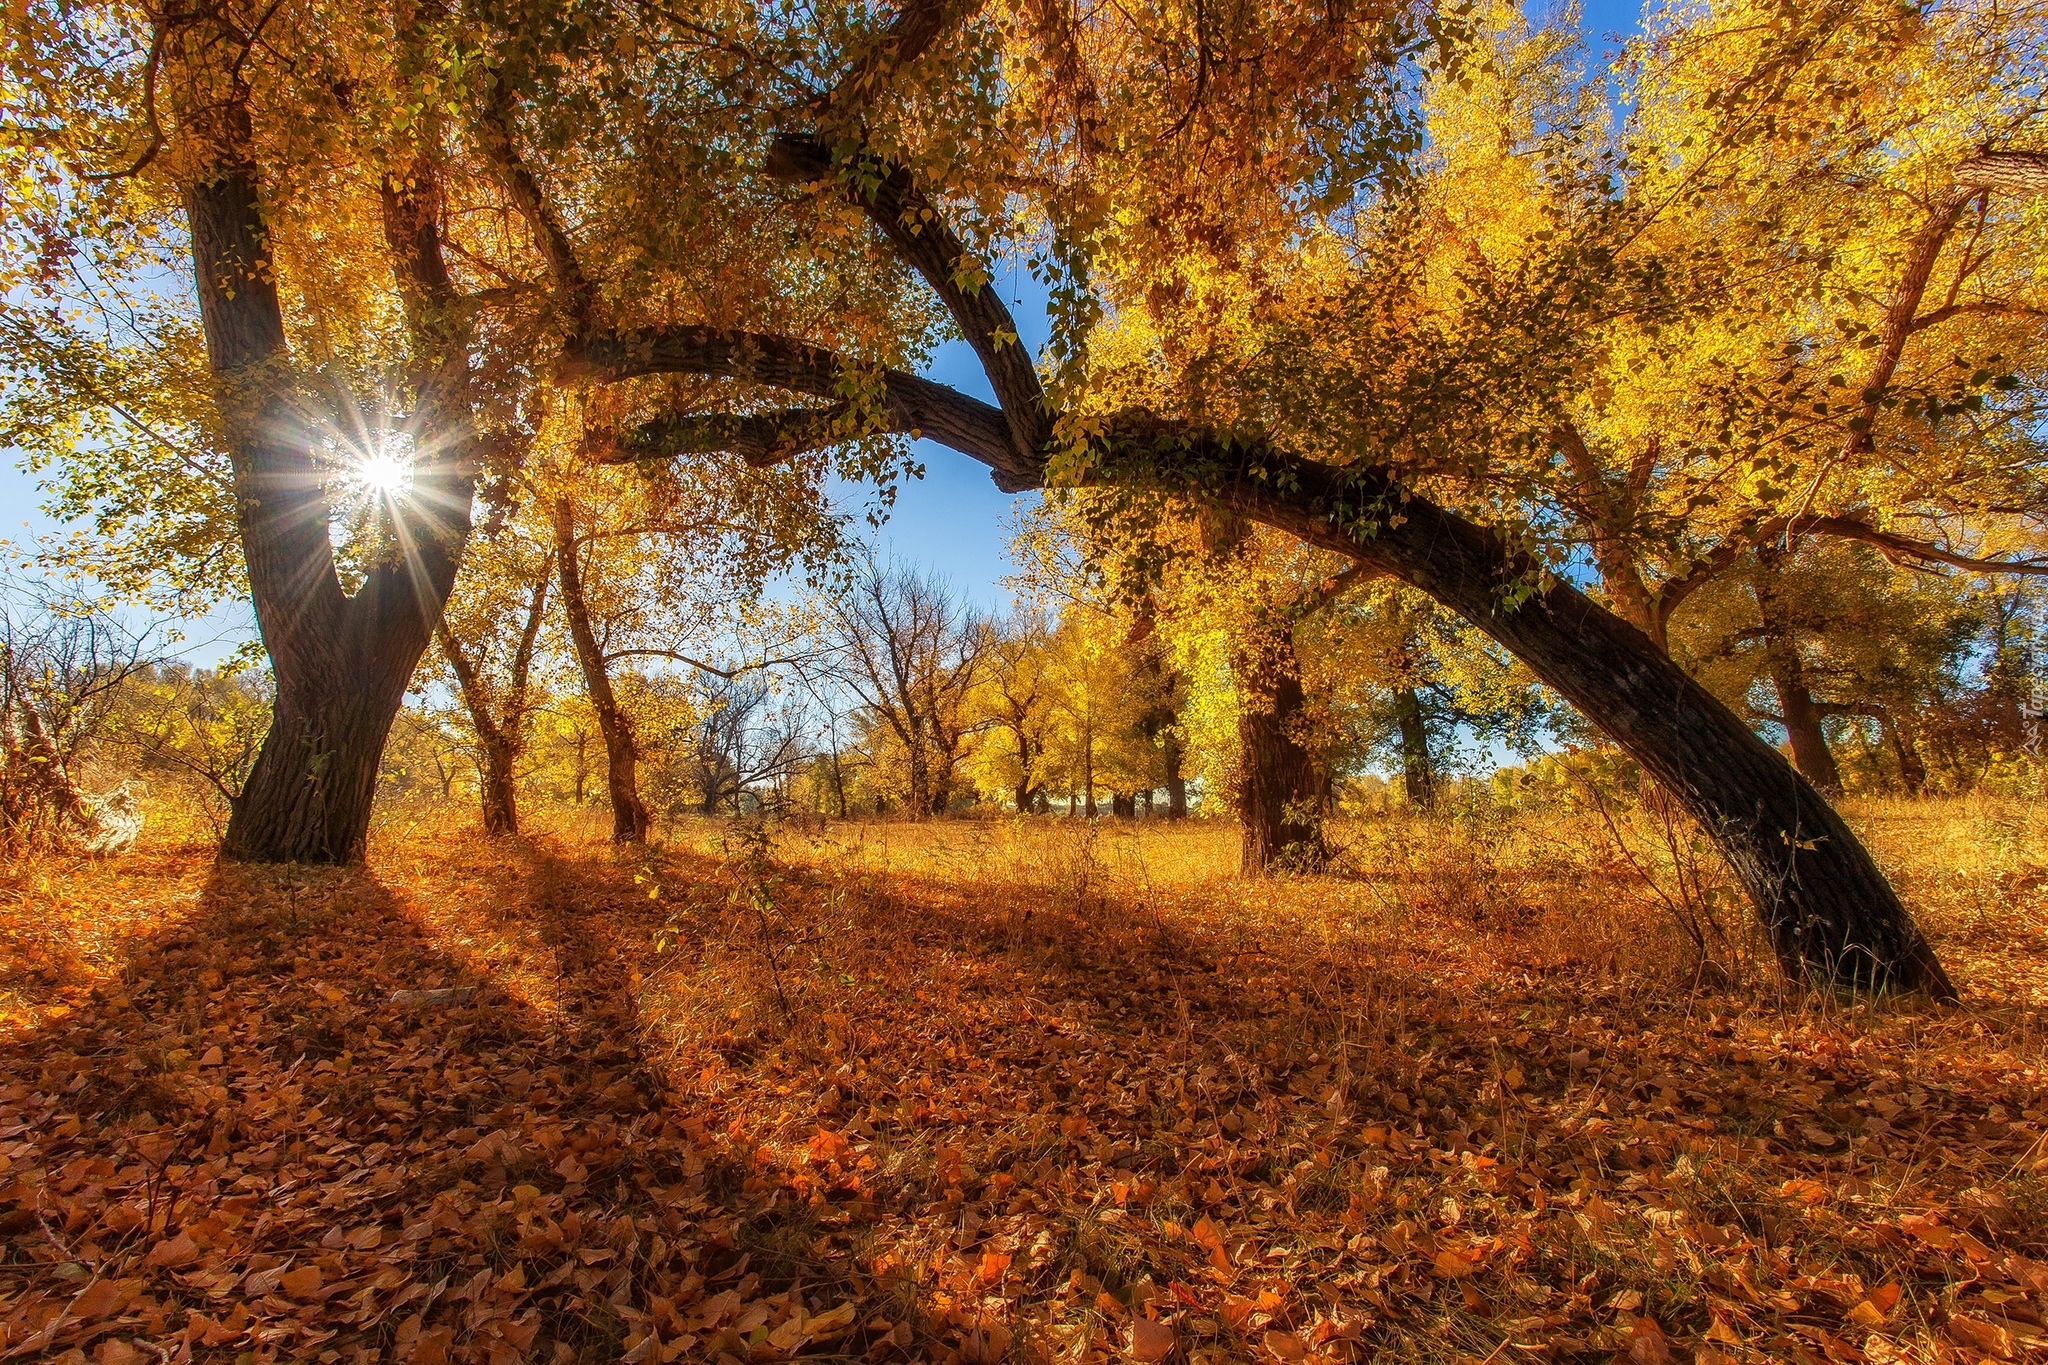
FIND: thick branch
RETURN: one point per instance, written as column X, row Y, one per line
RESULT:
column 576, row 294
column 918, row 25
column 911, row 405
column 2011, row 172
column 921, row 236
column 1895, row 547
column 762, row 439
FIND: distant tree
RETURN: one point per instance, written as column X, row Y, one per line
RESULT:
column 65, row 664
column 901, row 641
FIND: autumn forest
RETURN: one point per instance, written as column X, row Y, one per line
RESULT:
column 1495, row 812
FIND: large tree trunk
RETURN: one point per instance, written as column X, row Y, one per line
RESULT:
column 1418, row 773
column 1278, row 799
column 341, row 663
column 622, row 753
column 1828, row 909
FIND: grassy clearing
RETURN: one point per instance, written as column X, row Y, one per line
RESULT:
column 1025, row 1090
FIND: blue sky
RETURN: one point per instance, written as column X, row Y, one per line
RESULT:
column 953, row 520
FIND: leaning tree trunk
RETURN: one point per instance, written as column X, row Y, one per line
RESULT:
column 1278, row 792
column 341, row 663
column 1828, row 909
column 622, row 753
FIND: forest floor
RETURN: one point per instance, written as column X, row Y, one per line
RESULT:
column 987, row 1090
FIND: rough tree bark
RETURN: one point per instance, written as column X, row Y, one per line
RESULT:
column 1418, row 773
column 1278, row 790
column 341, row 663
column 622, row 753
column 1828, row 909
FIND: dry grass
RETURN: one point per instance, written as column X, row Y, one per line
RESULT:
column 1017, row 1087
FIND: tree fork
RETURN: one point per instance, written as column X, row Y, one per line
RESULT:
column 341, row 663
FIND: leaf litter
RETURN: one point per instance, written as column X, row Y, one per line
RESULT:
column 855, row 1100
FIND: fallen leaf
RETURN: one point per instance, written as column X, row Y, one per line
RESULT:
column 301, row 1282
column 1151, row 1341
column 1979, row 1335
column 1647, row 1343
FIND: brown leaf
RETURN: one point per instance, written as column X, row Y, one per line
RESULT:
column 1647, row 1343
column 1455, row 1264
column 1151, row 1341
column 101, row 1298
column 1979, row 1335
column 301, row 1282
column 1286, row 1345
column 179, row 1250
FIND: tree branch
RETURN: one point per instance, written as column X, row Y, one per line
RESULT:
column 918, row 25
column 762, row 439
column 494, row 126
column 1895, row 547
column 2012, row 172
column 1935, row 316
column 911, row 405
column 922, row 238
column 713, row 669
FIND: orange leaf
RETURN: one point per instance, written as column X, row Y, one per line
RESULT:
column 99, row 1299
column 1151, row 1341
column 1648, row 1344
column 301, row 1282
column 1980, row 1335
column 1455, row 1264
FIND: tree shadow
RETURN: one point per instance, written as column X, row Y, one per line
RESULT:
column 313, row 1117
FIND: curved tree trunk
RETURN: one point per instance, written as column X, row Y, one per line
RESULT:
column 1278, row 791
column 341, row 663
column 622, row 753
column 1828, row 909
